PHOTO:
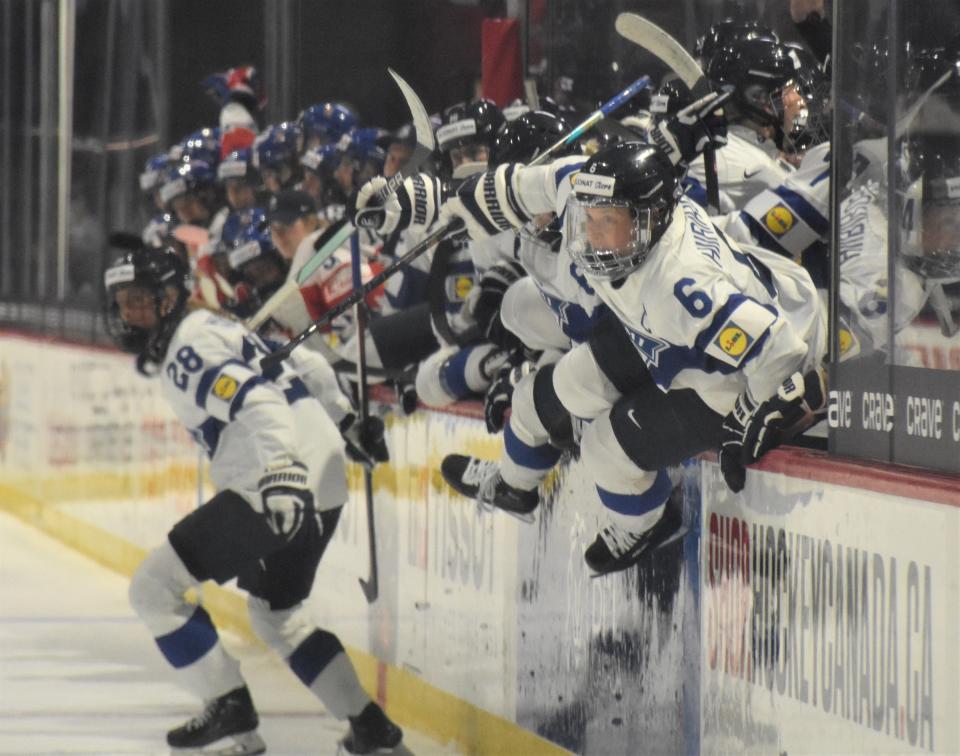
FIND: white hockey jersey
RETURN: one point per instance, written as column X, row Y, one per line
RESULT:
column 246, row 417
column 746, row 165
column 709, row 316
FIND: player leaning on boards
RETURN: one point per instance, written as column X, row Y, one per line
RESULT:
column 718, row 329
column 276, row 459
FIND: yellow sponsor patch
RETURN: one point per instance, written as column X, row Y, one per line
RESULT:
column 846, row 340
column 778, row 220
column 733, row 340
column 462, row 286
column 224, row 388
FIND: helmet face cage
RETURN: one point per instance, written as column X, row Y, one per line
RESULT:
column 155, row 271
column 606, row 263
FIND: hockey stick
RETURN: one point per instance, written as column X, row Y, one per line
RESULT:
column 453, row 227
column 371, row 587
column 421, row 153
column 656, row 41
column 357, row 294
column 614, row 103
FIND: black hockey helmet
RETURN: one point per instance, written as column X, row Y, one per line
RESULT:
column 630, row 176
column 757, row 70
column 466, row 135
column 672, row 97
column 157, row 275
column 528, row 136
column 725, row 32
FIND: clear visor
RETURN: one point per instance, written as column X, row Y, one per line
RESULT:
column 606, row 238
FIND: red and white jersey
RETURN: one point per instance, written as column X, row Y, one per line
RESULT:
column 332, row 282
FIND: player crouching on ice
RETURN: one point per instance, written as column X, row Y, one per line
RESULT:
column 717, row 329
column 276, row 459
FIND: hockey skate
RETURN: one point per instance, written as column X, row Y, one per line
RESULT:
column 371, row 731
column 227, row 726
column 616, row 548
column 480, row 479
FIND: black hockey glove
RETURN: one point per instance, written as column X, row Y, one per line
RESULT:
column 415, row 205
column 487, row 203
column 493, row 285
column 687, row 134
column 285, row 497
column 800, row 402
column 500, row 394
column 731, row 443
column 364, row 441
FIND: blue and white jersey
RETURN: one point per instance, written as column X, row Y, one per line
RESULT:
column 246, row 417
column 791, row 217
column 564, row 289
column 864, row 276
column 709, row 316
column 746, row 165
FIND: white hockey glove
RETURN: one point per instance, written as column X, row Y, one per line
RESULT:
column 415, row 204
column 731, row 443
column 487, row 203
column 801, row 401
column 687, row 134
column 364, row 441
column 285, row 497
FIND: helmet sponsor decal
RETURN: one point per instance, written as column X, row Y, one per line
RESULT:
column 119, row 274
column 599, row 186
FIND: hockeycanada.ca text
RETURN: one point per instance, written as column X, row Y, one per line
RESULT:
column 836, row 627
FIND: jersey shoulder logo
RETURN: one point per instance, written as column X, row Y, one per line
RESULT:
column 225, row 387
column 733, row 340
column 779, row 220
column 649, row 347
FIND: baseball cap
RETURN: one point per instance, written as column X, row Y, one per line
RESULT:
column 288, row 205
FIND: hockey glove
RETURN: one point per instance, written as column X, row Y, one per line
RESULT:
column 493, row 285
column 687, row 134
column 799, row 403
column 285, row 497
column 415, row 204
column 731, row 443
column 487, row 203
column 364, row 441
column 500, row 394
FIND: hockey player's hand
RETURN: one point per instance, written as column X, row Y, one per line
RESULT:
column 415, row 204
column 688, row 133
column 364, row 440
column 487, row 203
column 731, row 443
column 285, row 497
column 500, row 394
column 799, row 403
column 493, row 285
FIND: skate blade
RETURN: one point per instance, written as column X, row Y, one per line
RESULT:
column 526, row 517
column 400, row 749
column 244, row 744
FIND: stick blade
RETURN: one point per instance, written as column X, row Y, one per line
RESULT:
column 421, row 119
column 652, row 38
column 370, row 590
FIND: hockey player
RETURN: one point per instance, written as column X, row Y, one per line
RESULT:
column 240, row 180
column 717, row 329
column 325, row 123
column 276, row 155
column 277, row 463
column 759, row 71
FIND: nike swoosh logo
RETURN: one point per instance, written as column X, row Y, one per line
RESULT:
column 748, row 175
column 633, row 419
